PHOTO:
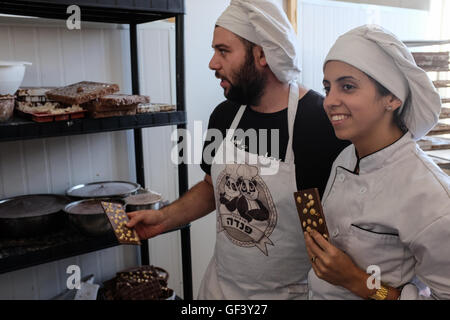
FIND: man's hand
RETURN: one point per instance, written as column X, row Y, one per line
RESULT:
column 194, row 204
column 147, row 223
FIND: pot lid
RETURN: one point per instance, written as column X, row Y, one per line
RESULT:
column 143, row 199
column 5, row 63
column 89, row 206
column 31, row 206
column 105, row 189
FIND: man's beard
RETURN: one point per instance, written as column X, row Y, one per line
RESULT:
column 249, row 84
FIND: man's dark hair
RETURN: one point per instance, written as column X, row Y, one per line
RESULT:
column 248, row 46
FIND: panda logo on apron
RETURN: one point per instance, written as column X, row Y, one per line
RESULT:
column 247, row 214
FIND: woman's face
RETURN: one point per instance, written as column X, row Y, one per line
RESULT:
column 353, row 104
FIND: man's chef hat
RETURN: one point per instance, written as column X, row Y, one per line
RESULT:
column 382, row 56
column 266, row 24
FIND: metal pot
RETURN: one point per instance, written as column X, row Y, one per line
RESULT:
column 32, row 215
column 88, row 216
column 144, row 201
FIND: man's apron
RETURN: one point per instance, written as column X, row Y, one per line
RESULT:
column 260, row 251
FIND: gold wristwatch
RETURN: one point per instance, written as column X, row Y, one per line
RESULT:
column 381, row 294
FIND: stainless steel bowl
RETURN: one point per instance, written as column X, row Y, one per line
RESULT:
column 88, row 215
column 144, row 201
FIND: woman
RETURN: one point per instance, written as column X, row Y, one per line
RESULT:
column 386, row 204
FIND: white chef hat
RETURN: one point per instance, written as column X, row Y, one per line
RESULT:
column 381, row 55
column 264, row 23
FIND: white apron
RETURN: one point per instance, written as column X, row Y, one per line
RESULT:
column 260, row 251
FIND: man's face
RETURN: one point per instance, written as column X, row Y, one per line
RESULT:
column 234, row 64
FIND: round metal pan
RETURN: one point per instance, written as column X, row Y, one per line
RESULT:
column 88, row 215
column 32, row 215
column 144, row 201
column 104, row 189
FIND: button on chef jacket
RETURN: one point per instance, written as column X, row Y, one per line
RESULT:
column 394, row 214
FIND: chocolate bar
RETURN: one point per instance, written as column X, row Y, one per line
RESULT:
column 155, row 107
column 116, row 102
column 81, row 92
column 118, row 219
column 115, row 113
column 310, row 211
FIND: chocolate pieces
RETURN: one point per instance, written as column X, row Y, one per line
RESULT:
column 115, row 105
column 118, row 219
column 81, row 92
column 310, row 211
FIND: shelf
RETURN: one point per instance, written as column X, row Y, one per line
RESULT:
column 445, row 113
column 16, row 254
column 109, row 11
column 434, row 143
column 441, row 128
column 21, row 129
column 442, row 83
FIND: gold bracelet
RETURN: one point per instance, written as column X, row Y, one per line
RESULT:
column 381, row 294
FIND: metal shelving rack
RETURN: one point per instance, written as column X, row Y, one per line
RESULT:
column 131, row 12
column 437, row 142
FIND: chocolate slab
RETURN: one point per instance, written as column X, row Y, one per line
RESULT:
column 118, row 219
column 115, row 102
column 310, row 211
column 81, row 92
column 116, row 113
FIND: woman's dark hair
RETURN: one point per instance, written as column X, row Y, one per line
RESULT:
column 383, row 92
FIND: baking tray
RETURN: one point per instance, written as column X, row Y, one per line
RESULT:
column 104, row 189
column 48, row 117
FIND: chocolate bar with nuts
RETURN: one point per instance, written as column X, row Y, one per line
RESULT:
column 81, row 92
column 310, row 211
column 108, row 114
column 115, row 102
column 118, row 219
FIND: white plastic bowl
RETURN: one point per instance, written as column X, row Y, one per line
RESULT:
column 11, row 76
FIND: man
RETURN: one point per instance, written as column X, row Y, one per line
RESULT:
column 260, row 251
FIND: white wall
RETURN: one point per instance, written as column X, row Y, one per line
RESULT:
column 203, row 94
column 411, row 4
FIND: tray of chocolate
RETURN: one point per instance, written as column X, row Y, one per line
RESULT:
column 32, row 103
column 310, row 211
column 51, row 116
column 118, row 219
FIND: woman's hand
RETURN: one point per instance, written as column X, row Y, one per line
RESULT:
column 331, row 264
column 336, row 267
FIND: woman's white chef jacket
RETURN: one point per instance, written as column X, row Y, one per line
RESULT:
column 394, row 214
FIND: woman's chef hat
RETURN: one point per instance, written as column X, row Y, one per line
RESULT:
column 266, row 24
column 382, row 56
